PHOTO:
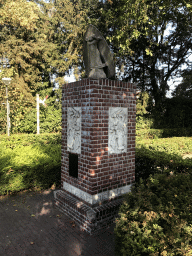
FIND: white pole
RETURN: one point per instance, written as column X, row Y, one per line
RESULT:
column 38, row 128
column 8, row 120
column 7, row 81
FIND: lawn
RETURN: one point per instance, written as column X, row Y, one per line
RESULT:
column 34, row 161
column 174, row 145
column 29, row 161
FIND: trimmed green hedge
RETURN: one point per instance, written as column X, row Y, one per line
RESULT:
column 149, row 162
column 29, row 161
column 163, row 133
column 162, row 155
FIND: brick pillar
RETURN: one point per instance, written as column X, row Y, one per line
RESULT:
column 98, row 150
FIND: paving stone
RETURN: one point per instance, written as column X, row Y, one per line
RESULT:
column 30, row 231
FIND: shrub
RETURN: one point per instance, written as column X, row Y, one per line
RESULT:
column 155, row 218
column 149, row 133
column 29, row 161
column 162, row 155
column 143, row 122
column 146, row 133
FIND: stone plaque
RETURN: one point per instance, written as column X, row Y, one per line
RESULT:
column 74, row 129
column 117, row 130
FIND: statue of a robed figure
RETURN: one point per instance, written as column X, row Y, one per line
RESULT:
column 97, row 57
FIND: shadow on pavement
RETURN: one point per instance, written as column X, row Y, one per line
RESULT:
column 31, row 225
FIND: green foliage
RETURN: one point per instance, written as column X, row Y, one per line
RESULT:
column 24, row 119
column 184, row 89
column 24, row 45
column 156, row 219
column 177, row 113
column 162, row 155
column 40, row 40
column 149, row 56
column 143, row 131
column 181, row 145
column 143, row 109
column 29, row 161
column 3, row 115
column 142, row 103
column 143, row 124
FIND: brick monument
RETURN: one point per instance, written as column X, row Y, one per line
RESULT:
column 98, row 150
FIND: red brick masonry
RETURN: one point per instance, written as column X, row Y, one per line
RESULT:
column 97, row 170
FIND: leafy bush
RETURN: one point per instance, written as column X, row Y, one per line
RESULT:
column 162, row 155
column 50, row 121
column 156, row 217
column 149, row 133
column 177, row 132
column 29, row 161
column 23, row 114
column 3, row 115
column 143, row 123
column 146, row 133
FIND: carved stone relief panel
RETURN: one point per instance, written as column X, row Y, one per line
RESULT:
column 117, row 130
column 74, row 129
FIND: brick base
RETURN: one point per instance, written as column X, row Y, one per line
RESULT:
column 89, row 219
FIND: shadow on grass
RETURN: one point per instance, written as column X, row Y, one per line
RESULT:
column 149, row 161
column 163, row 133
column 29, row 161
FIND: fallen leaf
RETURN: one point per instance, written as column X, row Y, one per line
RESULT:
column 15, row 210
column 32, row 215
column 14, row 205
column 53, row 187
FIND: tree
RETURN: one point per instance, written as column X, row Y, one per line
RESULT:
column 69, row 20
column 144, row 51
column 21, row 43
column 23, row 54
column 184, row 89
column 39, row 41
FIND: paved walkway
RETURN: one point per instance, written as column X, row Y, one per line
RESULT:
column 31, row 225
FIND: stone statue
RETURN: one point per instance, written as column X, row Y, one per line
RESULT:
column 97, row 57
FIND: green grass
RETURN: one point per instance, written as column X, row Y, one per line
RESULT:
column 34, row 161
column 29, row 161
column 177, row 145
column 163, row 155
